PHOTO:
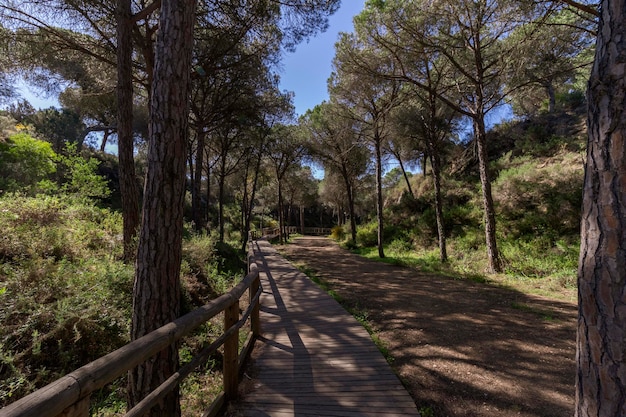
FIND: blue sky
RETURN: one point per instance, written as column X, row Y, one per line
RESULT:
column 306, row 71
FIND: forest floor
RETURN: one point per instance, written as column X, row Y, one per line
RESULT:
column 460, row 347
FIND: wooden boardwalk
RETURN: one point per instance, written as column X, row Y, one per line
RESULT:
column 314, row 358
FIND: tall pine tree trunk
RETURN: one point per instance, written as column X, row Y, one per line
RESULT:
column 281, row 213
column 435, row 162
column 128, row 182
column 196, row 198
column 250, row 207
column 220, row 203
column 601, row 353
column 493, row 256
column 406, row 177
column 156, row 292
column 350, row 195
column 379, row 193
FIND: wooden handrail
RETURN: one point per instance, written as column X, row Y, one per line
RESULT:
column 69, row 396
column 271, row 232
column 316, row 231
column 268, row 232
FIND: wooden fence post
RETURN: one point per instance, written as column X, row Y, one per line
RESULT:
column 231, row 353
column 255, row 322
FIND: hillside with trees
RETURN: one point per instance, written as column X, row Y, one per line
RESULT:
column 419, row 166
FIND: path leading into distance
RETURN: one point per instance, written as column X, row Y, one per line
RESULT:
column 314, row 358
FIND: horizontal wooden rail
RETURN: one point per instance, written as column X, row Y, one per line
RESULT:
column 69, row 396
column 270, row 232
column 315, row 231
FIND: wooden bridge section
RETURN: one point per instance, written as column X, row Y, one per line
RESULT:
column 314, row 359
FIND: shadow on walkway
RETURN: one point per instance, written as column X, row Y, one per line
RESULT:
column 314, row 359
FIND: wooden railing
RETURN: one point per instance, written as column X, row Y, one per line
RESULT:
column 70, row 395
column 315, row 231
column 271, row 232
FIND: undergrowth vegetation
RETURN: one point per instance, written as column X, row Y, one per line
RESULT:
column 537, row 190
column 66, row 297
column 65, row 294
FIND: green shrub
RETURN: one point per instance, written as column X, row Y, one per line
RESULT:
column 367, row 234
column 83, row 178
column 24, row 161
column 399, row 246
column 338, row 233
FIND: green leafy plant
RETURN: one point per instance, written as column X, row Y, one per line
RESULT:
column 338, row 233
column 24, row 161
column 83, row 180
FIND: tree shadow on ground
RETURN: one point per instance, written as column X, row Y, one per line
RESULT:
column 461, row 348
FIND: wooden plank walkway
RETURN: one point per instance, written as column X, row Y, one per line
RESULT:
column 314, row 358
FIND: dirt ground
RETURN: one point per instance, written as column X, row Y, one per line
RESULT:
column 461, row 348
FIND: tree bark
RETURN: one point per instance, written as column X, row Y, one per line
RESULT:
column 220, row 203
column 436, row 168
column 196, row 200
column 406, row 177
column 600, row 356
column 493, row 256
column 379, row 194
column 248, row 213
column 281, row 213
column 156, row 292
column 128, row 182
column 207, row 173
column 350, row 194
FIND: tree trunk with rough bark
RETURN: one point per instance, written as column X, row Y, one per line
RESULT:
column 220, row 203
column 350, row 195
column 435, row 162
column 156, row 292
column 250, row 206
column 493, row 256
column 281, row 213
column 128, row 182
column 601, row 353
column 379, row 194
column 196, row 198
column 406, row 177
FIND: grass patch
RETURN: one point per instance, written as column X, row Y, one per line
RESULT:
column 545, row 315
column 426, row 411
column 538, row 268
column 362, row 316
column 423, row 260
